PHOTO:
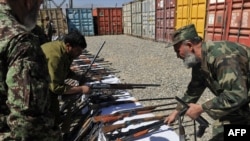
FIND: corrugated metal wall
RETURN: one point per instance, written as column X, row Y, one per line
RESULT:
column 56, row 15
column 216, row 20
column 238, row 28
column 108, row 21
column 137, row 18
column 165, row 19
column 126, row 16
column 80, row 19
column 229, row 20
column 148, row 19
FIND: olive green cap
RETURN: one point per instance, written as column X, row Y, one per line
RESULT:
column 184, row 33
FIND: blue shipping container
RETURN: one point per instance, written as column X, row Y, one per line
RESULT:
column 80, row 19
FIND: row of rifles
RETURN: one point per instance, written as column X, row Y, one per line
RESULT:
column 82, row 117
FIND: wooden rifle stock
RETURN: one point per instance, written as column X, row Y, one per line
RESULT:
column 110, row 128
column 113, row 118
column 129, row 111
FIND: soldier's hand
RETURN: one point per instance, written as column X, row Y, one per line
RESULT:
column 194, row 111
column 171, row 118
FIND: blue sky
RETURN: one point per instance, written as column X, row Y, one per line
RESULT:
column 89, row 3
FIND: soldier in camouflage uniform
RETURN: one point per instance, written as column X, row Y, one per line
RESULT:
column 24, row 78
column 221, row 66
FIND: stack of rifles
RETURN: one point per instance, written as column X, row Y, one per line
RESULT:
column 83, row 114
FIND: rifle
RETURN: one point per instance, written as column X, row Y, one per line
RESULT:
column 110, row 128
column 88, row 124
column 106, row 97
column 203, row 122
column 109, row 103
column 121, row 86
column 126, row 113
column 88, row 69
column 135, row 133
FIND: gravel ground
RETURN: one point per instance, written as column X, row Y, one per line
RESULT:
column 146, row 61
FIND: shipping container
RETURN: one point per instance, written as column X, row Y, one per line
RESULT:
column 127, row 18
column 137, row 18
column 165, row 20
column 108, row 21
column 191, row 11
column 148, row 19
column 80, row 19
column 216, row 20
column 229, row 20
column 239, row 20
column 56, row 16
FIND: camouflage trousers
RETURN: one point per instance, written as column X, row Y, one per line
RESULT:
column 44, row 135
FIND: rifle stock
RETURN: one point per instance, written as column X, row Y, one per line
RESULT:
column 113, row 118
column 124, row 113
column 110, row 128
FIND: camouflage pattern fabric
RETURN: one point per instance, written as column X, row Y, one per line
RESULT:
column 24, row 83
column 184, row 33
column 225, row 71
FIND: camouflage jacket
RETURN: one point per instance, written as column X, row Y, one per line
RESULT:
column 224, row 70
column 24, row 82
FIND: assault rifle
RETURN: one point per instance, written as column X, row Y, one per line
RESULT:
column 111, row 128
column 203, row 122
column 127, row 113
column 121, row 86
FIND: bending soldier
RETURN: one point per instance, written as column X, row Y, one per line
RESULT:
column 221, row 66
column 60, row 55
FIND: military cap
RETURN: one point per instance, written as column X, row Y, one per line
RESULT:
column 184, row 33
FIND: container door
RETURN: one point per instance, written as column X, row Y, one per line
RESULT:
column 191, row 11
column 216, row 20
column 239, row 22
column 126, row 11
column 165, row 19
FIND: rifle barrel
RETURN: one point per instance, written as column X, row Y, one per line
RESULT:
column 121, row 86
column 143, row 108
column 92, row 62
